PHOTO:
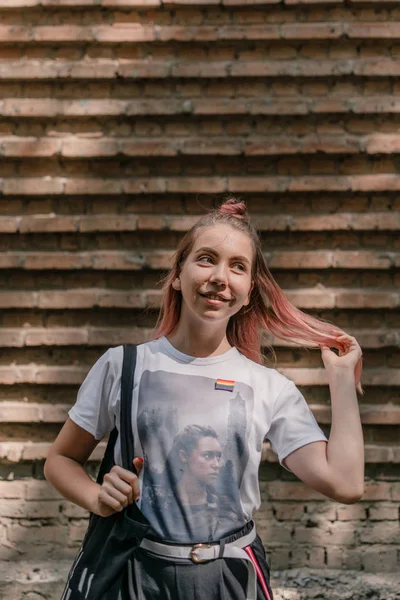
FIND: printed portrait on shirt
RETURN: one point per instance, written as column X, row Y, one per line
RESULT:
column 194, row 442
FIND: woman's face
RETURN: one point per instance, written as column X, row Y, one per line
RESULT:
column 215, row 279
column 204, row 461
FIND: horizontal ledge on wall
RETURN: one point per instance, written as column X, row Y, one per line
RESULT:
column 56, row 186
column 13, row 337
column 135, row 70
column 74, row 375
column 129, row 4
column 15, row 452
column 318, row 297
column 31, row 412
column 58, row 223
column 134, row 33
column 274, row 105
column 115, row 260
column 80, row 148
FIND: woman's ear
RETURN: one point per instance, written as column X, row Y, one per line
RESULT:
column 247, row 301
column 176, row 284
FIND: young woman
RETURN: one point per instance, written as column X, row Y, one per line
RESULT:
column 203, row 372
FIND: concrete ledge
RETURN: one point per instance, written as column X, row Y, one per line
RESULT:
column 45, row 581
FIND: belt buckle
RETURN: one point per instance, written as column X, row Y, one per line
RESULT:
column 196, row 559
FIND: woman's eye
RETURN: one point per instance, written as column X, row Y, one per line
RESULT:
column 240, row 266
column 205, row 257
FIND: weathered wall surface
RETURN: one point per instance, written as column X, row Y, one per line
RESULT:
column 121, row 121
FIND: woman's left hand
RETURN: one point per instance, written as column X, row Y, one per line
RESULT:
column 348, row 356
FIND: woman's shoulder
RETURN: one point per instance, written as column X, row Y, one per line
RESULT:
column 264, row 373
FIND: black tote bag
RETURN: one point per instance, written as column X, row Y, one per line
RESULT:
column 99, row 567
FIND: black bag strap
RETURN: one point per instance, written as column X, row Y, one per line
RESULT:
column 128, row 370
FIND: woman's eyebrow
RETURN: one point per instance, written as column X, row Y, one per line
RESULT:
column 213, row 251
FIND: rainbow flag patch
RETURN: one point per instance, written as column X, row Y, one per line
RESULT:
column 224, row 384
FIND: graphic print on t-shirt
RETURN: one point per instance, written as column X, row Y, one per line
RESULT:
column 195, row 450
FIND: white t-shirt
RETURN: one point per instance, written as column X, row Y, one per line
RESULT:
column 199, row 424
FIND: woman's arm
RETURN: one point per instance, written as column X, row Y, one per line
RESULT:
column 64, row 470
column 336, row 468
column 64, row 465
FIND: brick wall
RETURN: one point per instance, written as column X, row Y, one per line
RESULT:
column 121, row 121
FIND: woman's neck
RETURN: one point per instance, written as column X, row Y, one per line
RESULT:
column 190, row 491
column 194, row 343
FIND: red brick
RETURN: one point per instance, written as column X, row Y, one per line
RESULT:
column 200, row 69
column 38, row 535
column 93, row 186
column 121, row 299
column 311, row 557
column 160, row 260
column 85, row 298
column 299, row 260
column 201, row 185
column 29, row 147
column 272, row 146
column 59, row 337
column 117, row 335
column 29, row 510
column 32, row 107
column 28, row 412
column 330, row 144
column 12, row 490
column 378, row 182
column 15, row 299
column 383, row 511
column 378, row 68
column 33, row 186
column 11, row 338
column 139, row 69
column 132, row 33
column 312, row 31
column 353, row 512
column 365, row 299
column 373, row 30
column 257, row 184
column 60, row 375
column 312, row 2
column 288, row 511
column 8, row 224
column 148, row 148
column 360, row 260
column 320, row 183
column 382, row 143
column 380, row 558
column 249, row 2
column 15, row 33
column 48, row 223
column 62, row 33
column 56, row 260
column 380, row 533
column 131, row 3
column 338, row 533
column 152, row 222
column 11, row 261
column 108, row 223
column 89, row 148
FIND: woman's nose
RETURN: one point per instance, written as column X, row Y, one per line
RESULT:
column 219, row 274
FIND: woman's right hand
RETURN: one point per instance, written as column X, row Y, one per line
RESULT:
column 120, row 487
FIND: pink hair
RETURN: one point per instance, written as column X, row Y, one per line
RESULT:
column 269, row 309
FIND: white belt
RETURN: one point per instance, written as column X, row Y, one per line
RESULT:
column 200, row 553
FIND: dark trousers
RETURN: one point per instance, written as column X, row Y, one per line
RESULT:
column 153, row 578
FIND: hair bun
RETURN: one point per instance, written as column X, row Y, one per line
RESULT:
column 234, row 207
